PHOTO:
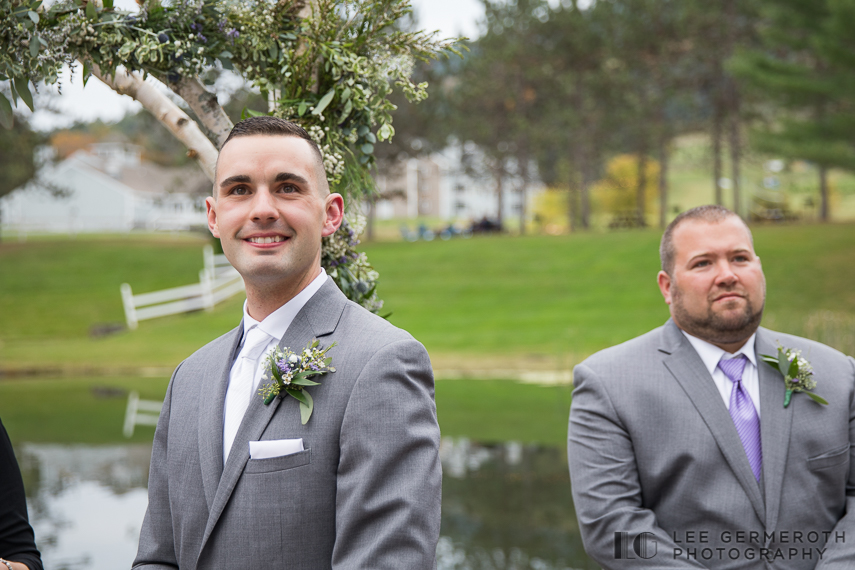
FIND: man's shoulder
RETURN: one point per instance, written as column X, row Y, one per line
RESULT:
column 628, row 352
column 373, row 331
column 812, row 350
column 223, row 344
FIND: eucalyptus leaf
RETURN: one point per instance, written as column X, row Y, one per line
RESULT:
column 324, row 102
column 7, row 119
column 34, row 16
column 348, row 107
column 91, row 12
column 24, row 91
column 371, row 138
column 274, row 51
column 367, row 148
column 301, row 108
column 306, row 409
column 817, row 399
column 298, row 395
column 362, row 130
column 345, row 95
column 783, row 362
column 34, row 47
column 793, row 371
column 225, row 54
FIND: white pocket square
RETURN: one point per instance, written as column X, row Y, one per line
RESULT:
column 271, row 448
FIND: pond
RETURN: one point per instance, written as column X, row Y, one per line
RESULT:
column 505, row 506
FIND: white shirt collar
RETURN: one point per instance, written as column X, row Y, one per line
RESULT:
column 711, row 354
column 277, row 322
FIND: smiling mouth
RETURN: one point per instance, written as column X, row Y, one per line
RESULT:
column 266, row 240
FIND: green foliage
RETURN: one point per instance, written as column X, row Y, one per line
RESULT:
column 806, row 69
column 332, row 71
column 17, row 163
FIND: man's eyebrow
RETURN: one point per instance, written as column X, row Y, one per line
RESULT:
column 291, row 177
column 242, row 178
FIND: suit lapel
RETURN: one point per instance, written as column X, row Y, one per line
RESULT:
column 775, row 426
column 211, row 415
column 689, row 370
column 317, row 318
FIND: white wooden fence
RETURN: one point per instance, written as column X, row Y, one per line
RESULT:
column 140, row 412
column 218, row 281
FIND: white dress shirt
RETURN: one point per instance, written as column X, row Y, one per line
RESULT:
column 275, row 325
column 711, row 354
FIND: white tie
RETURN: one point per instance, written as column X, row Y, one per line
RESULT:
column 242, row 384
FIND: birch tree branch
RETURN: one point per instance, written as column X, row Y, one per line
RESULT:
column 205, row 105
column 168, row 113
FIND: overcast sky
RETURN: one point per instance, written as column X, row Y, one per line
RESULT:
column 96, row 100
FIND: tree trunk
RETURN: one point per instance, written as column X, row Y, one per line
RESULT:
column 168, row 113
column 500, row 193
column 206, row 107
column 639, row 190
column 572, row 208
column 735, row 152
column 718, row 119
column 663, row 180
column 823, row 193
column 523, row 191
column 584, row 190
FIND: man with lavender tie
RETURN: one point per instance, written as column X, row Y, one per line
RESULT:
column 682, row 450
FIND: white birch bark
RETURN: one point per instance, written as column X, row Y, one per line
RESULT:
column 168, row 113
column 205, row 105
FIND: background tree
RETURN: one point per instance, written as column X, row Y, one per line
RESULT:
column 805, row 73
column 329, row 65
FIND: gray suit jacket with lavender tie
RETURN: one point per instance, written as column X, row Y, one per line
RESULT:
column 652, row 448
column 365, row 493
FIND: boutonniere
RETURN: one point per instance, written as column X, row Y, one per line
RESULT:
column 289, row 374
column 797, row 372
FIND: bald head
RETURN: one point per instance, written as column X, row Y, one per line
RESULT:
column 710, row 214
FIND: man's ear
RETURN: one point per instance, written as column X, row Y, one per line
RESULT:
column 210, row 207
column 334, row 214
column 664, row 281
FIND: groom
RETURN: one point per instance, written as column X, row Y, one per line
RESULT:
column 235, row 483
column 682, row 453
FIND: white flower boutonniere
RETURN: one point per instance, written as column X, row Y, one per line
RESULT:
column 290, row 373
column 797, row 372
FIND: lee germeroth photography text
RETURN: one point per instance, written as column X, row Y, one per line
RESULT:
column 733, row 545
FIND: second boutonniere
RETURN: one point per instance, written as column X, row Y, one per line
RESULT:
column 290, row 373
column 797, row 372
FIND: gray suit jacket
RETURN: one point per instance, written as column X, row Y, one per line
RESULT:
column 364, row 494
column 652, row 448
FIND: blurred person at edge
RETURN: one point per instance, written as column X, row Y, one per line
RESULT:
column 682, row 452
column 17, row 543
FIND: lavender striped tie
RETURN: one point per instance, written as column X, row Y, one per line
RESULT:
column 744, row 414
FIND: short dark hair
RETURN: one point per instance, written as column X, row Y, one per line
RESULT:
column 710, row 213
column 272, row 126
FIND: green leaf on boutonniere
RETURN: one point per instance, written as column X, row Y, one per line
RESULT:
column 817, row 399
column 797, row 373
column 306, row 409
column 292, row 373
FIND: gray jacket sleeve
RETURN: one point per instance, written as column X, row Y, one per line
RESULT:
column 389, row 476
column 840, row 554
column 606, row 486
column 157, row 547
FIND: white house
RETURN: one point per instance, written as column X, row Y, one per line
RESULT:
column 442, row 186
column 107, row 188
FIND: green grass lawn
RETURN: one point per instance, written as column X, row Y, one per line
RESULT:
column 92, row 410
column 495, row 302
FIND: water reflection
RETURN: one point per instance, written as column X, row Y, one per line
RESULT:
column 86, row 503
column 504, row 507
column 507, row 507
